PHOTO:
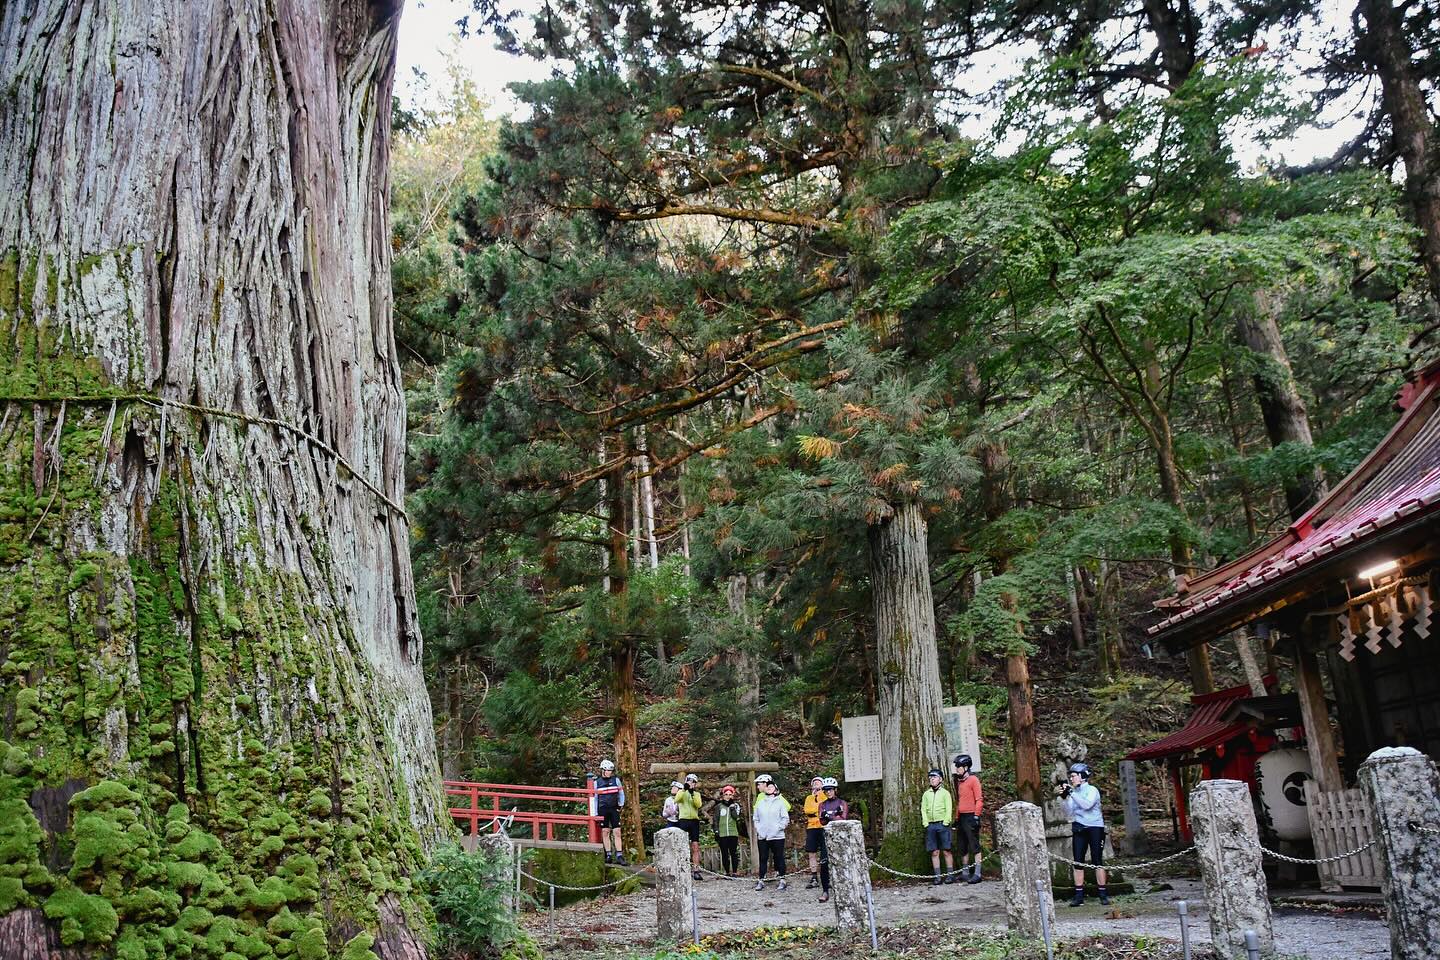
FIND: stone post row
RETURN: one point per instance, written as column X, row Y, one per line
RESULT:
column 673, row 885
column 1020, row 835
column 1227, row 842
column 1403, row 787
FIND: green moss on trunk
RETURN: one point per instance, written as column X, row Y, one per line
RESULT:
column 192, row 762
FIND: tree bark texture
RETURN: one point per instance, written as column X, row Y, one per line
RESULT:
column 1281, row 406
column 208, row 638
column 747, row 669
column 1385, row 47
column 912, row 734
column 1025, row 743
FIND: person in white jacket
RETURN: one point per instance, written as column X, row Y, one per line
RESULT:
column 771, row 816
column 1087, row 830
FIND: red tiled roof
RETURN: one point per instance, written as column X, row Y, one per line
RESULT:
column 1205, row 728
column 1399, row 480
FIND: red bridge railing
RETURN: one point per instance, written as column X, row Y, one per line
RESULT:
column 489, row 804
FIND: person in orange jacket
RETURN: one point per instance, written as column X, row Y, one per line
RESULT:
column 814, row 832
column 969, row 804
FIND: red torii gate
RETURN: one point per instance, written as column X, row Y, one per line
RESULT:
column 492, row 804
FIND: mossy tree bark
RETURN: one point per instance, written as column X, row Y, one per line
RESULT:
column 215, row 733
column 912, row 733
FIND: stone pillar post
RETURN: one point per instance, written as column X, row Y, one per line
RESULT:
column 849, row 873
column 1020, row 835
column 1228, row 843
column 1402, row 784
column 1135, row 840
column 673, row 884
column 504, row 850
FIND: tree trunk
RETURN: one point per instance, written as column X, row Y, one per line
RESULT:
column 912, row 735
column 647, row 506
column 208, row 620
column 1072, row 600
column 747, row 671
column 1286, row 419
column 622, row 664
column 1249, row 664
column 1020, row 717
column 1022, row 728
column 1107, row 658
column 1387, row 50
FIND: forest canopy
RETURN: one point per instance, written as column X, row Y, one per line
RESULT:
column 782, row 359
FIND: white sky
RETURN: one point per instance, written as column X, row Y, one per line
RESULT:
column 427, row 32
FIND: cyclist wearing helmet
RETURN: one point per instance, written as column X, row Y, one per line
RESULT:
column 609, row 798
column 969, row 803
column 691, row 804
column 1087, row 830
column 832, row 808
column 671, row 811
column 727, row 818
column 935, row 807
column 770, row 818
column 814, row 834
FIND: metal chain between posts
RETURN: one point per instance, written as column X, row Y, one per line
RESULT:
column 1427, row 831
column 1319, row 860
column 560, row 886
column 737, row 878
column 1121, row 865
column 916, row 876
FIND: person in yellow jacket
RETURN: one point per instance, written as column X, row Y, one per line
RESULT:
column 935, row 806
column 814, row 829
column 690, row 804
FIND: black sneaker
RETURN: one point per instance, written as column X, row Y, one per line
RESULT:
column 620, row 859
column 1104, row 899
column 695, row 874
column 974, row 875
column 1079, row 899
column 814, row 882
column 935, row 881
column 609, row 857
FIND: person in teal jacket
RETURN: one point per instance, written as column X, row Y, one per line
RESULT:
column 935, row 806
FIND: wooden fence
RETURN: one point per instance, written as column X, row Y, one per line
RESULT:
column 1340, row 820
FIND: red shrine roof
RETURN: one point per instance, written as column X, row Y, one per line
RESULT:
column 1206, row 727
column 1393, row 489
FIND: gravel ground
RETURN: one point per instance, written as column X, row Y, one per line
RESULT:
column 727, row 906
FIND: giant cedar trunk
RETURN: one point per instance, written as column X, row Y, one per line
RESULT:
column 207, row 625
column 912, row 735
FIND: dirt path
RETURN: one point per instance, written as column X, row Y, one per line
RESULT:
column 731, row 906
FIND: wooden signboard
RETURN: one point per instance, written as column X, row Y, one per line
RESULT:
column 860, row 742
column 962, row 734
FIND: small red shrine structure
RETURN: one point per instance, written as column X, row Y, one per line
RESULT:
column 1227, row 734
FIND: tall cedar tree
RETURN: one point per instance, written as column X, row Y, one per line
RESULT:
column 796, row 130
